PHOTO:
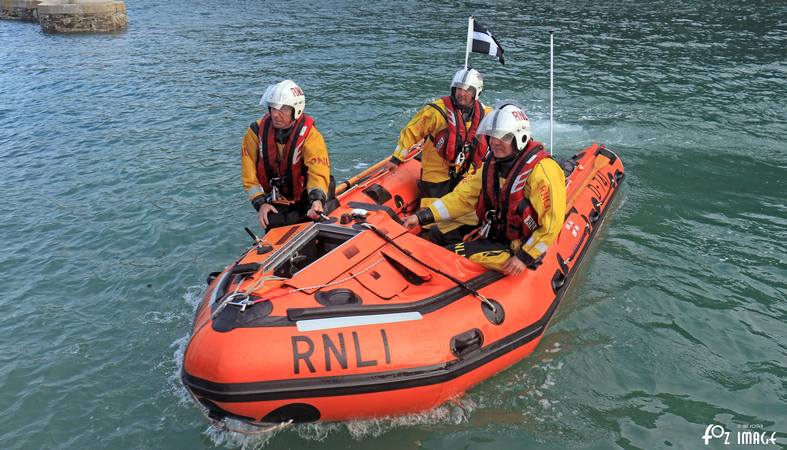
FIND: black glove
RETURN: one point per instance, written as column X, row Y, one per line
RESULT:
column 425, row 216
column 530, row 262
column 316, row 194
column 259, row 201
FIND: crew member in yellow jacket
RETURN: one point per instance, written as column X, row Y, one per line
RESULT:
column 519, row 196
column 446, row 129
column 284, row 161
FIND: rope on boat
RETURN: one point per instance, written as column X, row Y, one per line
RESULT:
column 260, row 282
column 221, row 424
column 229, row 300
column 317, row 286
column 333, row 283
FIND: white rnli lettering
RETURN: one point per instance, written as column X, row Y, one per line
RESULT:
column 519, row 182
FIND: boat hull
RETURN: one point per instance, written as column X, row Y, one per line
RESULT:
column 370, row 327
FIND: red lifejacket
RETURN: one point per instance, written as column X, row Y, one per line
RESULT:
column 454, row 140
column 290, row 168
column 509, row 211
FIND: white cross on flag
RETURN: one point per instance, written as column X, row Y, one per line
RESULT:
column 484, row 42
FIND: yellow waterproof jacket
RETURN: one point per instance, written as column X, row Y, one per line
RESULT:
column 545, row 189
column 427, row 122
column 315, row 157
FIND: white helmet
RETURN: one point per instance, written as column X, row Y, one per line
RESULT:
column 468, row 78
column 285, row 93
column 507, row 121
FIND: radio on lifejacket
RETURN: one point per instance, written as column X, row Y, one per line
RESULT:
column 274, row 196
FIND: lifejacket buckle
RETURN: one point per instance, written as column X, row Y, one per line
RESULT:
column 461, row 157
column 484, row 231
column 489, row 218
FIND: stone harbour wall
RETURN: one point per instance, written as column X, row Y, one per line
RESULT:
column 69, row 16
column 19, row 10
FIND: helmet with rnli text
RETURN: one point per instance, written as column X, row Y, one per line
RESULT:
column 468, row 78
column 507, row 120
column 285, row 93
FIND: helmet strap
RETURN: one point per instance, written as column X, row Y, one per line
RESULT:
column 282, row 136
column 504, row 165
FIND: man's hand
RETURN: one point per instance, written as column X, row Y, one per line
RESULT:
column 514, row 266
column 315, row 211
column 390, row 166
column 262, row 217
column 410, row 222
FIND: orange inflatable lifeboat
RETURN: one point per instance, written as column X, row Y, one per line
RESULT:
column 355, row 317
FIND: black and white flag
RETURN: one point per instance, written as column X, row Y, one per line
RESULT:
column 484, row 42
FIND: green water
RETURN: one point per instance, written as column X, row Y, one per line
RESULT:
column 119, row 157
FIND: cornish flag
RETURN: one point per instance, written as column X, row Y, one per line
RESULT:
column 484, row 42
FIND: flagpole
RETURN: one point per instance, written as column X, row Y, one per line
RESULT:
column 551, row 86
column 469, row 39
